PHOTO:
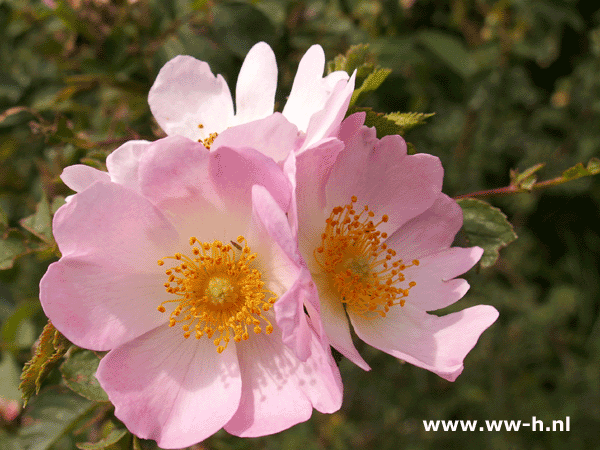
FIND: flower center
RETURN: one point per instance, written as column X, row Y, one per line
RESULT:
column 218, row 295
column 359, row 265
column 207, row 142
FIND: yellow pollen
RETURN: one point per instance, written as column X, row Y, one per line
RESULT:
column 359, row 264
column 219, row 294
column 209, row 140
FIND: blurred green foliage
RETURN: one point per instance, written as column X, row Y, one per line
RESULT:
column 513, row 83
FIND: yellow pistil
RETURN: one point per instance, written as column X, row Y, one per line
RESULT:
column 218, row 295
column 359, row 264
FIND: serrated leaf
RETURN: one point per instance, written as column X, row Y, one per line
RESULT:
column 579, row 170
column 393, row 123
column 371, row 83
column 358, row 57
column 79, row 373
column 486, row 227
column 52, row 415
column 40, row 223
column 52, row 346
column 113, row 437
column 527, row 178
column 368, row 76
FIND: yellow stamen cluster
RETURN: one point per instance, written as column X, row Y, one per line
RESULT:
column 218, row 295
column 359, row 264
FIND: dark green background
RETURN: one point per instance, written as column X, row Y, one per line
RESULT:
column 512, row 82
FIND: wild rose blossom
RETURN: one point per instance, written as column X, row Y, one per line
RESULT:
column 188, row 100
column 375, row 231
column 182, row 264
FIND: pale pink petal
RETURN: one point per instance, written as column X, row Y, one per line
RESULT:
column 111, row 240
column 313, row 168
column 283, row 262
column 310, row 91
column 429, row 232
column 438, row 344
column 78, row 177
column 99, row 307
column 186, row 95
column 123, row 163
column 176, row 391
column 351, row 125
column 382, row 176
column 326, row 122
column 256, row 85
column 116, row 225
column 174, row 175
column 279, row 391
column 436, row 287
column 235, row 171
column 273, row 136
column 335, row 322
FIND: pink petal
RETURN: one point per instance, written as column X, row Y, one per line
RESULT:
column 383, row 177
column 256, row 85
column 116, row 225
column 174, row 175
column 434, row 275
column 335, row 324
column 351, row 125
column 285, row 269
column 234, row 172
column 272, row 136
column 313, row 168
column 98, row 307
column 123, row 163
column 326, row 122
column 111, row 240
column 439, row 344
column 186, row 94
column 176, row 391
column 278, row 390
column 429, row 232
column 78, row 177
column 310, row 91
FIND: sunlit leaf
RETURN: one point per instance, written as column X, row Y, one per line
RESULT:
column 52, row 346
column 393, row 123
column 486, row 227
column 368, row 76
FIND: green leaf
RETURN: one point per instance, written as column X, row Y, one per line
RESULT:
column 113, row 437
column 486, row 227
column 578, row 171
column 450, row 50
column 52, row 346
column 52, row 415
column 40, row 223
column 393, row 123
column 368, row 76
column 79, row 371
column 11, row 247
column 527, row 179
column 371, row 83
column 9, row 377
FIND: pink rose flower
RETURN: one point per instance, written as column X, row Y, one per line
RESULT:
column 375, row 231
column 182, row 264
column 188, row 100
